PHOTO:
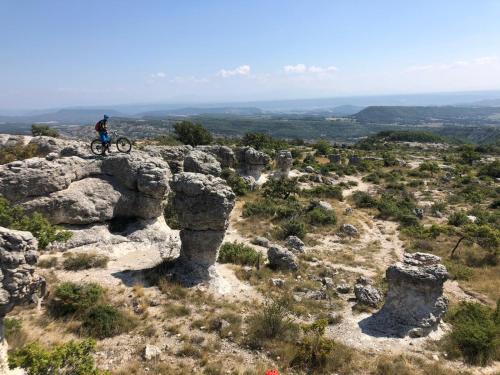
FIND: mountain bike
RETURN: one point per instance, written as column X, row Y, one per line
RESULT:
column 122, row 143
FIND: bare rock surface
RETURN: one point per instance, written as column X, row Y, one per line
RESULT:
column 367, row 295
column 295, row 244
column 252, row 162
column 173, row 155
column 224, row 154
column 284, row 163
column 198, row 161
column 415, row 303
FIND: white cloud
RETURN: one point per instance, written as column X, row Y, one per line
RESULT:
column 243, row 70
column 302, row 69
column 160, row 75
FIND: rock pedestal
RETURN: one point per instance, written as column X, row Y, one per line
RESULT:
column 251, row 162
column 201, row 162
column 18, row 281
column 203, row 204
column 284, row 163
column 224, row 155
column 415, row 303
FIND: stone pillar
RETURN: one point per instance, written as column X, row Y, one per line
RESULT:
column 203, row 204
column 335, row 158
column 284, row 163
column 251, row 162
column 415, row 303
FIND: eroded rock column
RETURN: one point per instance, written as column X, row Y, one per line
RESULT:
column 18, row 281
column 203, row 204
column 415, row 303
column 284, row 163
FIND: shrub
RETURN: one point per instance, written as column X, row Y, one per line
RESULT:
column 19, row 151
column 37, row 130
column 363, row 200
column 14, row 217
column 238, row 253
column 322, row 147
column 491, row 169
column 192, row 134
column 281, row 188
column 103, row 321
column 476, row 332
column 293, row 228
column 324, row 191
column 458, row 219
column 71, row 358
column 71, row 298
column 235, row 182
column 84, row 261
column 14, row 333
column 47, row 262
column 319, row 216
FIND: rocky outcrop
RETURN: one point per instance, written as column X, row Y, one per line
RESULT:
column 173, row 155
column 18, row 281
column 295, row 244
column 281, row 258
column 415, row 303
column 198, row 161
column 367, row 295
column 284, row 162
column 203, row 204
column 349, row 230
column 79, row 191
column 251, row 162
column 335, row 158
column 224, row 154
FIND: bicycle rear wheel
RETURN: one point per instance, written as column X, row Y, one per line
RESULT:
column 96, row 147
column 123, row 145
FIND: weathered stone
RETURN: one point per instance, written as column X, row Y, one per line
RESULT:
column 367, row 295
column 415, row 303
column 349, row 230
column 343, row 288
column 173, row 155
column 281, row 258
column 151, row 352
column 309, row 169
column 278, row 282
column 261, row 241
column 284, row 162
column 224, row 155
column 201, row 162
column 251, row 162
column 335, row 158
column 354, row 160
column 295, row 244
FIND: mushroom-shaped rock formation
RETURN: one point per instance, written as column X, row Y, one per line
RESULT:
column 203, row 204
column 284, row 163
column 198, row 161
column 18, row 281
column 173, row 155
column 223, row 154
column 251, row 162
column 415, row 303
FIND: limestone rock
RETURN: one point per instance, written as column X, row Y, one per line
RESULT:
column 335, row 158
column 349, row 230
column 309, row 169
column 151, row 352
column 173, row 155
column 201, row 162
column 367, row 295
column 224, row 154
column 284, row 162
column 281, row 258
column 415, row 303
column 251, row 162
column 295, row 244
column 261, row 241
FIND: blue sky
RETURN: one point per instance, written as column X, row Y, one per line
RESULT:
column 68, row 52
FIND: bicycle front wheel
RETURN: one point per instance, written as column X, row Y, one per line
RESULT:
column 96, row 147
column 123, row 145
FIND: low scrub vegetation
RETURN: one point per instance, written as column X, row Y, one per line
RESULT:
column 103, row 321
column 84, row 261
column 238, row 253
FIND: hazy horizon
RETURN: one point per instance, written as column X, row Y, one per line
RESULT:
column 61, row 54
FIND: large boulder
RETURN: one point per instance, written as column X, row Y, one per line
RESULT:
column 251, row 162
column 73, row 190
column 203, row 204
column 415, row 303
column 367, row 295
column 281, row 258
column 198, row 161
column 224, row 154
column 18, row 281
column 173, row 155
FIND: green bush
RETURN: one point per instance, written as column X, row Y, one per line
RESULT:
column 282, row 188
column 476, row 332
column 19, row 151
column 322, row 147
column 324, row 191
column 37, row 130
column 263, row 142
column 235, row 182
column 14, row 217
column 238, row 253
column 71, row 298
column 490, row 169
column 14, row 333
column 103, row 321
column 192, row 134
column 71, row 358
column 84, row 261
column 320, row 216
column 363, row 200
column 458, row 219
column 293, row 228
column 269, row 207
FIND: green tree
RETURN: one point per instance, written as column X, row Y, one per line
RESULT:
column 46, row 130
column 322, row 147
column 468, row 154
column 483, row 235
column 192, row 134
column 430, row 166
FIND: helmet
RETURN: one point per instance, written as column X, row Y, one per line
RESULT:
column 106, row 117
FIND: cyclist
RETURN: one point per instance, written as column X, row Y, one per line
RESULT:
column 102, row 128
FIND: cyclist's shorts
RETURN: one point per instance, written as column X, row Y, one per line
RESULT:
column 104, row 137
